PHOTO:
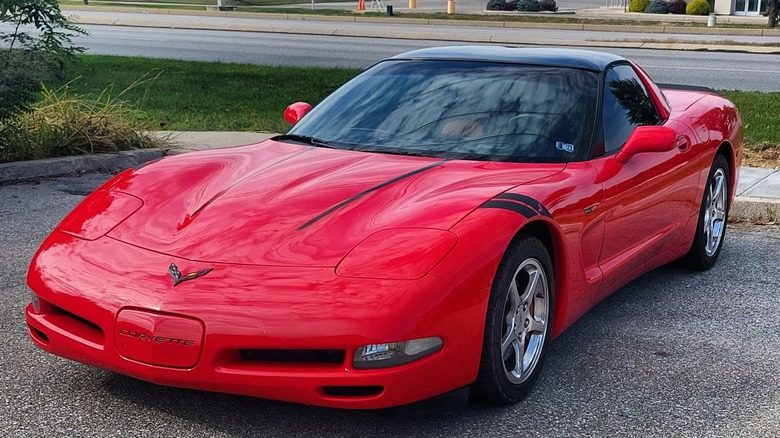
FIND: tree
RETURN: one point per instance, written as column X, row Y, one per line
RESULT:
column 772, row 12
column 36, row 47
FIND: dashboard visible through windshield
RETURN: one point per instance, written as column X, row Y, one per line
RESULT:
column 461, row 109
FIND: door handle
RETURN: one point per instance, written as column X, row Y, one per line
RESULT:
column 683, row 144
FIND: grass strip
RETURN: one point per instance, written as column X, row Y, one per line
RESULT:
column 760, row 115
column 200, row 96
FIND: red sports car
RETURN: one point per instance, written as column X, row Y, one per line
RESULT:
column 427, row 229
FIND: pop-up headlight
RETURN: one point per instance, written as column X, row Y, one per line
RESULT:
column 99, row 213
column 398, row 254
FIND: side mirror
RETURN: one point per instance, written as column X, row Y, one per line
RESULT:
column 296, row 111
column 647, row 139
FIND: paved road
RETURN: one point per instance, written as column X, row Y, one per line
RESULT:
column 439, row 31
column 461, row 6
column 718, row 70
column 673, row 354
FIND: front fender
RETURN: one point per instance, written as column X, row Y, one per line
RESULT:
column 483, row 238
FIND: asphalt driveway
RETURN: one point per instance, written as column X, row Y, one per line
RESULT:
column 674, row 353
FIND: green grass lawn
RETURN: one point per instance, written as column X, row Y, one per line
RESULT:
column 199, row 96
column 760, row 114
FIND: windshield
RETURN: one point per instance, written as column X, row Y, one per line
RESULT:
column 461, row 109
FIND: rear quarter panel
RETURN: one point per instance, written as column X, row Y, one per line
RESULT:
column 717, row 127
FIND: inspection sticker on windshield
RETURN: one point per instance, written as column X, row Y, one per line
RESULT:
column 561, row 146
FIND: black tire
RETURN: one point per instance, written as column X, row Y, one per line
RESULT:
column 712, row 221
column 525, row 323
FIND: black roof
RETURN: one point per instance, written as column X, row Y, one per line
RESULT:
column 572, row 58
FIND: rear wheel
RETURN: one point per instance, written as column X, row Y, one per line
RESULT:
column 518, row 323
column 713, row 217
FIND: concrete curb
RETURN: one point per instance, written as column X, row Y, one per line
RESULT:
column 756, row 210
column 433, row 22
column 745, row 208
column 50, row 167
column 581, row 14
column 425, row 32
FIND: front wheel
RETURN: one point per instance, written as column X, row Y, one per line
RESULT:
column 518, row 323
column 713, row 218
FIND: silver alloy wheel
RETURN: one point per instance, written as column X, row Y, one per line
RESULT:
column 526, row 315
column 715, row 212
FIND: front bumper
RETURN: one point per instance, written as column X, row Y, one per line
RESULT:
column 86, row 289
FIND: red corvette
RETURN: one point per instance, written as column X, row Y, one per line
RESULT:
column 428, row 228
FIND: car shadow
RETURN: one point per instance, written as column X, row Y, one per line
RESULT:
column 624, row 348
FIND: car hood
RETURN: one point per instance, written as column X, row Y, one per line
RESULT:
column 287, row 205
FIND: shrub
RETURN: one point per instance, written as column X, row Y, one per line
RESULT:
column 548, row 5
column 657, row 7
column 63, row 124
column 35, row 39
column 501, row 5
column 638, row 5
column 528, row 5
column 21, row 73
column 495, row 5
column 677, row 6
column 698, row 7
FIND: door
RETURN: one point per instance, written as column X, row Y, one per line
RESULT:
column 649, row 199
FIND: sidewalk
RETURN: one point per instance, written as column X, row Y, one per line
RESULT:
column 758, row 190
column 757, row 200
column 758, row 196
column 635, row 35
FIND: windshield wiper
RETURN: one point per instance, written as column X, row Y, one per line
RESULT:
column 404, row 152
column 305, row 139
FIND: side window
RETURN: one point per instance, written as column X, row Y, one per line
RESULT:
column 626, row 105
